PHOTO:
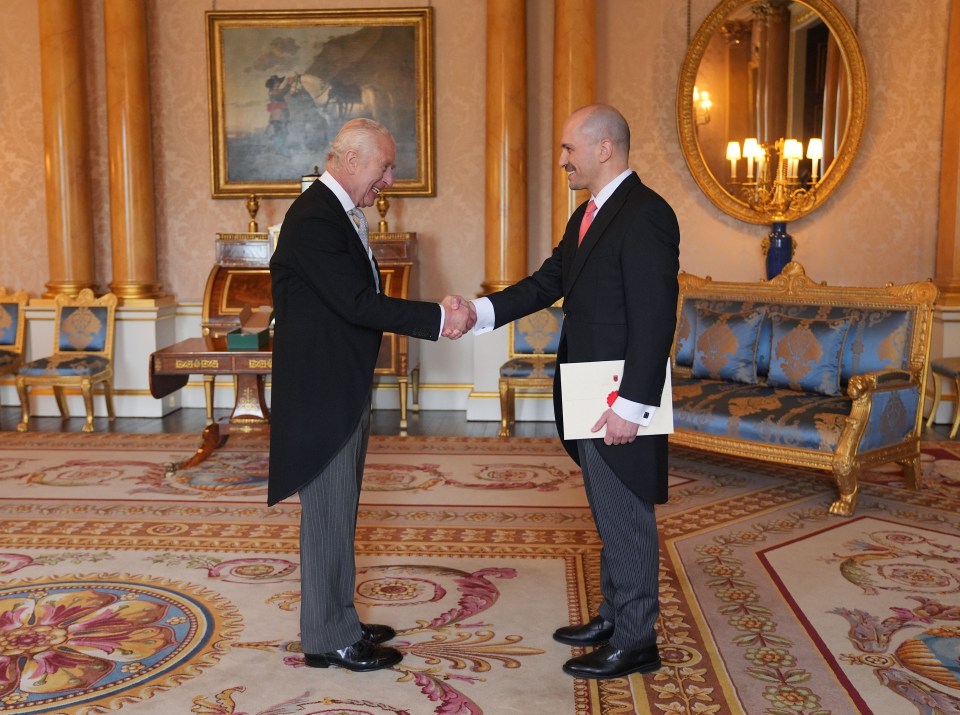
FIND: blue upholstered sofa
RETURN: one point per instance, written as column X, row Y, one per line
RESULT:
column 801, row 373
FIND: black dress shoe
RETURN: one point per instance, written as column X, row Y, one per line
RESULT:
column 376, row 633
column 360, row 657
column 609, row 662
column 597, row 631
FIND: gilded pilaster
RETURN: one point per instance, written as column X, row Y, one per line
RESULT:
column 948, row 235
column 574, row 85
column 505, row 197
column 129, row 146
column 65, row 148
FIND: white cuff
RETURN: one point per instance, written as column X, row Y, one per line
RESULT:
column 633, row 411
column 486, row 315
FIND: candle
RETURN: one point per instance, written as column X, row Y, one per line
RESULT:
column 792, row 152
column 733, row 154
column 815, row 154
column 751, row 150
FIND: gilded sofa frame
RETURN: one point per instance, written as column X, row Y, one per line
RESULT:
column 793, row 287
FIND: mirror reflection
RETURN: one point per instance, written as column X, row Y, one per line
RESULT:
column 774, row 72
column 775, row 95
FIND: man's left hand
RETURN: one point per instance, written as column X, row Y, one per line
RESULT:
column 619, row 430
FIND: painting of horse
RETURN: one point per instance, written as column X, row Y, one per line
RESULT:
column 285, row 89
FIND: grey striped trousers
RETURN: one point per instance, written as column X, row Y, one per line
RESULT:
column 630, row 557
column 328, row 522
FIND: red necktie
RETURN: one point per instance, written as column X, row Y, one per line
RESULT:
column 587, row 220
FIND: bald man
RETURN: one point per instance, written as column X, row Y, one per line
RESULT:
column 616, row 270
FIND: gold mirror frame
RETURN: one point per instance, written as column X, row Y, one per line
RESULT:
column 686, row 122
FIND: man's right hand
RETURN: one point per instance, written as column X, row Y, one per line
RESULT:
column 459, row 317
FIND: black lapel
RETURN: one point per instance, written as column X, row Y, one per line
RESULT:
column 611, row 207
column 335, row 207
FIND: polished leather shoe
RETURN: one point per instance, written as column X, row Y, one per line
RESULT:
column 360, row 657
column 595, row 632
column 609, row 662
column 376, row 633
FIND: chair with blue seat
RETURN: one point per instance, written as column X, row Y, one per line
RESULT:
column 82, row 358
column 532, row 360
column 12, row 329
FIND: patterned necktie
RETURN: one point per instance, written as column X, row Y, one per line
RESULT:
column 587, row 220
column 362, row 228
column 360, row 221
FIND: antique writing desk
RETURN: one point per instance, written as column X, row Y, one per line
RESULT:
column 171, row 367
column 396, row 257
column 230, row 288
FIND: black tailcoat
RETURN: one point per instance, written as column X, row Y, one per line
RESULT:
column 329, row 320
column 619, row 291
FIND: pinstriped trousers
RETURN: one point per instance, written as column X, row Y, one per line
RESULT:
column 328, row 522
column 630, row 556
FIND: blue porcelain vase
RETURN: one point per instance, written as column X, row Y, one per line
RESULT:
column 780, row 251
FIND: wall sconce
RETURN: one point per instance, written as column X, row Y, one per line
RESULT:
column 701, row 106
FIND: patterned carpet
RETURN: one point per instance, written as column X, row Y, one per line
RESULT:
column 125, row 584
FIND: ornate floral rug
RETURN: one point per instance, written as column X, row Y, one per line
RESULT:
column 127, row 584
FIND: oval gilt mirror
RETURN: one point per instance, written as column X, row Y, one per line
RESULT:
column 771, row 105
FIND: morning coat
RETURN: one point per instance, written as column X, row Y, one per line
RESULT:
column 329, row 320
column 619, row 290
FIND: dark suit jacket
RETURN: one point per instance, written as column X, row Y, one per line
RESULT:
column 619, row 292
column 329, row 321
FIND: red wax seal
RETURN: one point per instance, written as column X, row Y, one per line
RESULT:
column 611, row 398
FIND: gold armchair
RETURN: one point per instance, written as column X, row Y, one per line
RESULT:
column 532, row 359
column 83, row 355
column 12, row 329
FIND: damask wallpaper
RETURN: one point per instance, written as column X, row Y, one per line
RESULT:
column 879, row 226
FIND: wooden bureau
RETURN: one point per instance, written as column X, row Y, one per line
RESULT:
column 229, row 288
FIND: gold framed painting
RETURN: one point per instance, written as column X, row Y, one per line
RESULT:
column 282, row 83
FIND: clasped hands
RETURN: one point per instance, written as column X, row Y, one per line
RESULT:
column 459, row 317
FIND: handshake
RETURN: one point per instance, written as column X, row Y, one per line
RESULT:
column 459, row 317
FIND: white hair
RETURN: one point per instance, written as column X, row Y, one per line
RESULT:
column 359, row 135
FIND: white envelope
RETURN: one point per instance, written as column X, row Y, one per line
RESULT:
column 587, row 387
